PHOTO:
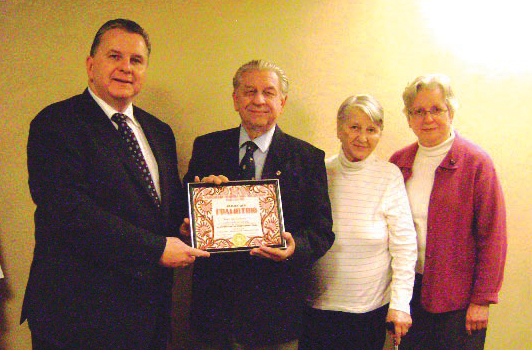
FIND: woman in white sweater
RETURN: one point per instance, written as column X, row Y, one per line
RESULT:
column 366, row 278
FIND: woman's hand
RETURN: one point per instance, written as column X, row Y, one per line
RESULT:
column 401, row 322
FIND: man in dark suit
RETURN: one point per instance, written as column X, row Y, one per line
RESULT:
column 255, row 301
column 101, row 274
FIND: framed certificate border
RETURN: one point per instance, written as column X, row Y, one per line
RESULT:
column 236, row 215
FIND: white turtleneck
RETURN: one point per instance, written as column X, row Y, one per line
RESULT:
column 375, row 238
column 419, row 187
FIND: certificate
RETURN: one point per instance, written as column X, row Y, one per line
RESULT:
column 236, row 215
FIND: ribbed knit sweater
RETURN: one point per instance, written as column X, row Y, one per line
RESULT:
column 373, row 257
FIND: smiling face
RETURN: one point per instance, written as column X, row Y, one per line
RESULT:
column 431, row 128
column 117, row 69
column 259, row 101
column 358, row 134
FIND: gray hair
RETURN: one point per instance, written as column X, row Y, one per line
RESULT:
column 262, row 65
column 430, row 82
column 367, row 104
column 120, row 23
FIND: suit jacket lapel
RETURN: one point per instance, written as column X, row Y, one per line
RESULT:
column 278, row 155
column 228, row 146
column 233, row 152
column 156, row 148
column 110, row 137
column 106, row 130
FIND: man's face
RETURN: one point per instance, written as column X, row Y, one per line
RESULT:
column 116, row 72
column 259, row 101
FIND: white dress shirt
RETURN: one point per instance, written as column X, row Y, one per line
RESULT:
column 263, row 143
column 139, row 134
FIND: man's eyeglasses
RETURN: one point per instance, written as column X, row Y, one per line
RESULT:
column 434, row 111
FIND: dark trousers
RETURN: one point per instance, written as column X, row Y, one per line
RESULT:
column 439, row 331
column 344, row 330
column 41, row 343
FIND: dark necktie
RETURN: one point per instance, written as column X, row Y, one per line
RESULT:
column 134, row 148
column 247, row 165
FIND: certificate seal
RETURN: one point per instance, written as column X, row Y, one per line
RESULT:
column 239, row 240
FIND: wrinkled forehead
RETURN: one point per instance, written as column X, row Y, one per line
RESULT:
column 263, row 79
column 429, row 95
column 359, row 113
column 120, row 40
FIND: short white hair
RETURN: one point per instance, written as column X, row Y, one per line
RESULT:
column 261, row 65
column 367, row 104
column 430, row 82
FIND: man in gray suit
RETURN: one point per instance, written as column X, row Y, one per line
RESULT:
column 103, row 174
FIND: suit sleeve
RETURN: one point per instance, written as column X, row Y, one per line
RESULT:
column 194, row 165
column 213, row 155
column 304, row 193
column 70, row 218
column 315, row 236
column 490, row 234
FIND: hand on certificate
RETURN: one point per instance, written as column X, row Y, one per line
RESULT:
column 178, row 254
column 184, row 230
column 277, row 254
column 215, row 179
column 399, row 322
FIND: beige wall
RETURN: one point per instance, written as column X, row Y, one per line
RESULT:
column 329, row 49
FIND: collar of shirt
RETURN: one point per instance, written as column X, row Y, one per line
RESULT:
column 109, row 111
column 263, row 141
column 139, row 134
column 349, row 166
column 438, row 150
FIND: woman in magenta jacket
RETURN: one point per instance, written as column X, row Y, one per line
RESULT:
column 458, row 209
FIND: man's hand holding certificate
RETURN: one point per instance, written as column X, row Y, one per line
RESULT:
column 277, row 254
